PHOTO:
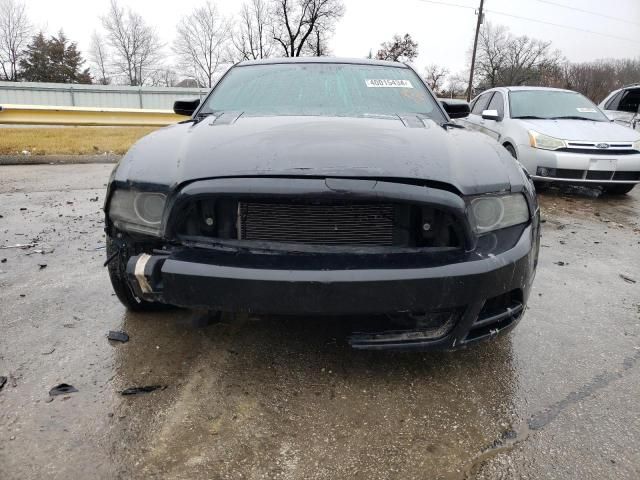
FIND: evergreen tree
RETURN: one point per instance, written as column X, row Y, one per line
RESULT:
column 54, row 60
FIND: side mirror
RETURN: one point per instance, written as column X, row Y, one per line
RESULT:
column 455, row 108
column 186, row 107
column 491, row 115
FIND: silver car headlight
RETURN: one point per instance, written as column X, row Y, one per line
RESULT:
column 135, row 211
column 545, row 142
column 493, row 212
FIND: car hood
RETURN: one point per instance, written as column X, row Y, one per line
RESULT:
column 320, row 146
column 588, row 131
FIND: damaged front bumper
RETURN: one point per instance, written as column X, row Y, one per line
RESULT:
column 471, row 299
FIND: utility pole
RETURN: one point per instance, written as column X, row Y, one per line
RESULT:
column 475, row 47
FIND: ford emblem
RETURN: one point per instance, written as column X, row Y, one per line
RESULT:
column 603, row 145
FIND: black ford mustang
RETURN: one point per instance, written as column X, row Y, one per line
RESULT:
column 330, row 187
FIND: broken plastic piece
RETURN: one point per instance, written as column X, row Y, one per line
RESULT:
column 118, row 336
column 62, row 389
column 3, row 380
column 139, row 390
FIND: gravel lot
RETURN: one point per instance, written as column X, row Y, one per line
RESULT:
column 287, row 398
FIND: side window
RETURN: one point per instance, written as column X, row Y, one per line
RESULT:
column 612, row 104
column 481, row 103
column 497, row 103
column 630, row 101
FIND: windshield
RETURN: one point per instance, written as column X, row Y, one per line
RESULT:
column 322, row 90
column 553, row 104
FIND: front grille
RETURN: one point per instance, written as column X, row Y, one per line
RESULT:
column 568, row 173
column 317, row 224
column 633, row 176
column 599, row 174
column 598, row 151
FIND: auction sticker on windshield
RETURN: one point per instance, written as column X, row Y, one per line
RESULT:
column 381, row 83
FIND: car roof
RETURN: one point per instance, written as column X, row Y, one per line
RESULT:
column 524, row 87
column 351, row 61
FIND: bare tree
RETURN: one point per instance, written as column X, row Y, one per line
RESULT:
column 99, row 59
column 399, row 49
column 295, row 21
column 15, row 32
column 201, row 43
column 435, row 76
column 136, row 46
column 456, row 85
column 252, row 38
column 163, row 77
column 504, row 59
column 597, row 79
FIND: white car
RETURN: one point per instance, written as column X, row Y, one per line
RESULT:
column 623, row 106
column 559, row 136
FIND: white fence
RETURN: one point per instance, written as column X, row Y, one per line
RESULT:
column 96, row 96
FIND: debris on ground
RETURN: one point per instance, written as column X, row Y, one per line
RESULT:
column 561, row 263
column 62, row 389
column 42, row 251
column 22, row 246
column 627, row 279
column 4, row 260
column 140, row 390
column 581, row 190
column 118, row 336
column 49, row 352
column 42, row 265
column 95, row 199
column 3, row 380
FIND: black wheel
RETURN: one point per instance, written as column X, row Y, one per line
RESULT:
column 511, row 150
column 619, row 188
column 118, row 276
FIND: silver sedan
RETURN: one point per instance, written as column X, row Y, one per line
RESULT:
column 559, row 136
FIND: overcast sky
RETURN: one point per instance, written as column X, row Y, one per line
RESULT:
column 444, row 32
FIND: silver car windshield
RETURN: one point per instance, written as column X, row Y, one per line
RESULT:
column 323, row 90
column 553, row 104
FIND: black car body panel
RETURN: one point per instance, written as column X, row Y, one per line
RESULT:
column 382, row 205
column 317, row 146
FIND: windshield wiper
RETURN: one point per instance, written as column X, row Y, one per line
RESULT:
column 529, row 117
column 574, row 117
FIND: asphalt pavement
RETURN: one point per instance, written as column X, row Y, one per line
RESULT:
column 267, row 397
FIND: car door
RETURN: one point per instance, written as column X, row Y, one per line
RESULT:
column 493, row 128
column 477, row 107
column 624, row 106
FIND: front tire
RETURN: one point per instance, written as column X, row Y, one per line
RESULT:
column 619, row 188
column 121, row 287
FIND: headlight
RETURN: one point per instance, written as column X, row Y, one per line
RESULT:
column 538, row 140
column 636, row 145
column 493, row 212
column 137, row 211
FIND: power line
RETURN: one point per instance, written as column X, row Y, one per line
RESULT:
column 447, row 4
column 563, row 26
column 590, row 12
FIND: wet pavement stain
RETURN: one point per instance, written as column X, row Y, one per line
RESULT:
column 273, row 397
